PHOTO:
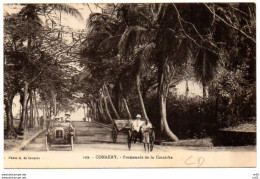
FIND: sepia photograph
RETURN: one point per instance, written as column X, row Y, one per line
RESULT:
column 129, row 85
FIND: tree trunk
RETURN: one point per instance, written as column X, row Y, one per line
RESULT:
column 45, row 114
column 92, row 109
column 95, row 110
column 166, row 74
column 8, row 117
column 108, row 113
column 117, row 101
column 164, row 124
column 54, row 96
column 26, row 114
column 36, row 111
column 31, row 122
column 111, row 102
column 101, row 110
column 10, row 132
column 187, row 89
column 204, row 90
column 84, row 110
column 204, row 75
column 138, row 81
column 50, row 113
column 21, row 104
column 21, row 126
column 127, row 109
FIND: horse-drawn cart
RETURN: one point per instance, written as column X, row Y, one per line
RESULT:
column 127, row 126
column 121, row 125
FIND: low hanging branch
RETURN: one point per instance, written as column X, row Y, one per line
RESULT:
column 192, row 39
column 127, row 108
column 89, row 8
column 125, row 102
column 230, row 25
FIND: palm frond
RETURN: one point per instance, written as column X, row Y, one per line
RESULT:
column 30, row 12
column 109, row 44
column 68, row 9
column 102, row 22
column 130, row 38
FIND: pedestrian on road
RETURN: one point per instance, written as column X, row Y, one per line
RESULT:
column 147, row 134
column 146, row 130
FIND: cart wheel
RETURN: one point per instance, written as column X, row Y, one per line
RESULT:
column 114, row 135
column 152, row 139
column 71, row 143
column 129, row 140
column 47, row 145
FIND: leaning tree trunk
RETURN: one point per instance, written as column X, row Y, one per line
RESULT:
column 125, row 102
column 25, row 95
column 166, row 74
column 111, row 102
column 164, row 124
column 138, row 82
column 108, row 113
column 127, row 108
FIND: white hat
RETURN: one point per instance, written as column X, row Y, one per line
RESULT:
column 138, row 116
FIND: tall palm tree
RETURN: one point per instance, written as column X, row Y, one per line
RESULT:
column 172, row 35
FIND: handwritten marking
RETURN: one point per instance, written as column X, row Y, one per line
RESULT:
column 197, row 162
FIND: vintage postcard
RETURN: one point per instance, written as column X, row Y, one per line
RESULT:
column 129, row 85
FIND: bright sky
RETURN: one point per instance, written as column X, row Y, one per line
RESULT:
column 66, row 19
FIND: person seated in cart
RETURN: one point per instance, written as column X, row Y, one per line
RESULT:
column 135, row 128
column 136, row 124
column 67, row 119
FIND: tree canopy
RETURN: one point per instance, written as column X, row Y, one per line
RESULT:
column 130, row 59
